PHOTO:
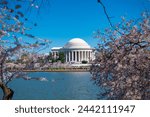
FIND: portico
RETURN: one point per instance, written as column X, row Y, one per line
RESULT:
column 75, row 51
column 78, row 55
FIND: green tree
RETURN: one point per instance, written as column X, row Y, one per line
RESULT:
column 84, row 62
column 61, row 57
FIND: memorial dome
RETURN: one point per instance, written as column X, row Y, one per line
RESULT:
column 76, row 43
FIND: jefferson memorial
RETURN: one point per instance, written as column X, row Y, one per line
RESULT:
column 76, row 50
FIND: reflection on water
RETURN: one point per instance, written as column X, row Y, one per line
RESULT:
column 60, row 85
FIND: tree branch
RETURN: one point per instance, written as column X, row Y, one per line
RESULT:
column 108, row 18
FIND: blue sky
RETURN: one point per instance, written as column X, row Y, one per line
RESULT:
column 66, row 19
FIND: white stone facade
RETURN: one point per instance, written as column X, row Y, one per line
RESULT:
column 76, row 51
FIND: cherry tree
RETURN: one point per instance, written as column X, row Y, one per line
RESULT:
column 14, row 36
column 122, row 64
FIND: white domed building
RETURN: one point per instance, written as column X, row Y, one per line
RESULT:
column 76, row 50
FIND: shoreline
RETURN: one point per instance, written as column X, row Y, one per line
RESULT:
column 56, row 70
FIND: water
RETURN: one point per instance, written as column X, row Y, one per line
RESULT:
column 60, row 86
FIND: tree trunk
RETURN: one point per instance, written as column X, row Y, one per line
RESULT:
column 7, row 92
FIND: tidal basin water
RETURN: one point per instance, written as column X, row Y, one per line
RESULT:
column 60, row 86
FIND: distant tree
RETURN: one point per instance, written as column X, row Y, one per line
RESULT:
column 122, row 64
column 61, row 57
column 14, row 26
column 84, row 62
column 50, row 56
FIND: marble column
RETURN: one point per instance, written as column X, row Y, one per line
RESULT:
column 72, row 56
column 69, row 55
column 89, row 55
column 79, row 56
column 82, row 56
column 86, row 55
column 66, row 55
column 75, row 56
